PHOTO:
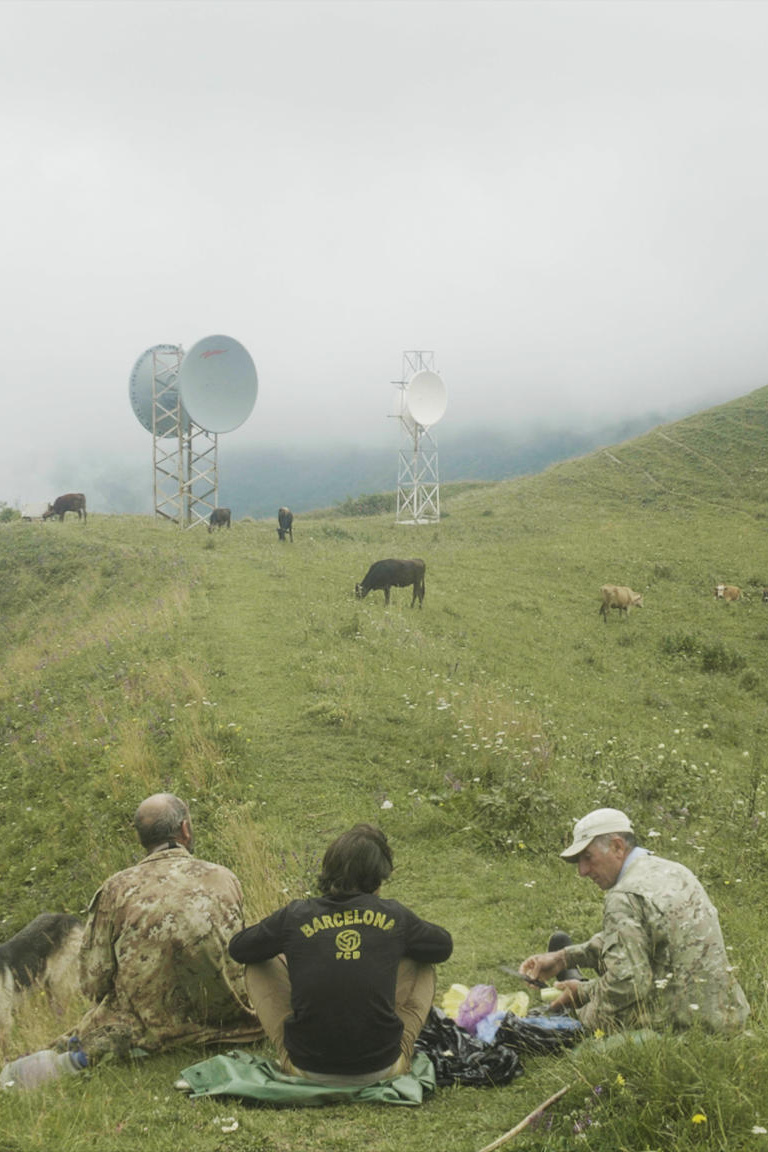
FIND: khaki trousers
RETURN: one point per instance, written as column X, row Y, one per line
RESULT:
column 269, row 990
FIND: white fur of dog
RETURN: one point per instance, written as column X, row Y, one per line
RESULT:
column 43, row 955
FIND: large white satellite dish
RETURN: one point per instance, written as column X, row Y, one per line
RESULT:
column 218, row 383
column 140, row 389
column 425, row 398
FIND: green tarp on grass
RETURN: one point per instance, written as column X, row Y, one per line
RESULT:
column 251, row 1077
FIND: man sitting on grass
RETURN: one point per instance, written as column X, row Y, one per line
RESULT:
column 660, row 956
column 154, row 955
column 343, row 983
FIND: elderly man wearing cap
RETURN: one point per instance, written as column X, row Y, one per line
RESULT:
column 660, row 957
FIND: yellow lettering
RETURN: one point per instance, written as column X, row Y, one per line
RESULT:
column 357, row 919
column 317, row 926
column 307, row 929
column 348, row 916
column 338, row 920
column 368, row 916
column 389, row 924
column 327, row 921
column 379, row 920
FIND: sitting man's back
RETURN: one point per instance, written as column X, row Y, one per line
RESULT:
column 154, row 955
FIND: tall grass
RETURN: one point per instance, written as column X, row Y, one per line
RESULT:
column 243, row 674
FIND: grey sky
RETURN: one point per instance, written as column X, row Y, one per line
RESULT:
column 566, row 201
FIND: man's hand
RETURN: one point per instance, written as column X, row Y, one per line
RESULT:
column 544, row 965
column 572, row 995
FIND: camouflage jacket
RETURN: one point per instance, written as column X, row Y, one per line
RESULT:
column 154, row 957
column 660, row 955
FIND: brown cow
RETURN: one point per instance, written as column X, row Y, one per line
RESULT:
column 727, row 592
column 620, row 597
column 70, row 502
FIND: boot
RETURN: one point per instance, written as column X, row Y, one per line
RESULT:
column 557, row 941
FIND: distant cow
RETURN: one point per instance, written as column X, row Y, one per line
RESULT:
column 218, row 518
column 728, row 592
column 284, row 523
column 620, row 597
column 71, row 502
column 386, row 574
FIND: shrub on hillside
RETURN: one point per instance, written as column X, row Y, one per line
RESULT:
column 718, row 658
column 368, row 505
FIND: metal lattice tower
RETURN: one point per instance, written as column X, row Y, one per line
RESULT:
column 418, row 486
column 185, row 456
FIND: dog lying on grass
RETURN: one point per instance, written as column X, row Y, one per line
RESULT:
column 43, row 955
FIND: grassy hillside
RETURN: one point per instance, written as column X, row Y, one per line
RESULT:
column 243, row 674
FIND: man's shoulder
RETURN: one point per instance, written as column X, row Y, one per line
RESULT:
column 656, row 873
column 174, row 866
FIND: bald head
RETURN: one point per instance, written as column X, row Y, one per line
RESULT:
column 160, row 818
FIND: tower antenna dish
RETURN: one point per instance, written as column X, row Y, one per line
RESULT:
column 153, row 392
column 425, row 398
column 218, row 383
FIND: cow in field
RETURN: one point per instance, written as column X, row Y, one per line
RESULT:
column 70, row 502
column 218, row 518
column 619, row 597
column 386, row 574
column 728, row 592
column 284, row 523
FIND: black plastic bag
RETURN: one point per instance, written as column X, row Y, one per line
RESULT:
column 547, row 1035
column 460, row 1058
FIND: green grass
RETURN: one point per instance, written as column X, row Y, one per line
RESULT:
column 243, row 674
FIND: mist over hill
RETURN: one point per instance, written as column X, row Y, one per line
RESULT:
column 255, row 482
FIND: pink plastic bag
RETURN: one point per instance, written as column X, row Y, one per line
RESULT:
column 480, row 1002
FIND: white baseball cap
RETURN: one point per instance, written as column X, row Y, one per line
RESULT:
column 598, row 823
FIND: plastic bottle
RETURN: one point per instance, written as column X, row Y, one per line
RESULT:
column 29, row 1071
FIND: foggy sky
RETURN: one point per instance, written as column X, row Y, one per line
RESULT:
column 565, row 201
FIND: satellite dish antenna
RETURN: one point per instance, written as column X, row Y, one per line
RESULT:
column 425, row 398
column 218, row 383
column 140, row 388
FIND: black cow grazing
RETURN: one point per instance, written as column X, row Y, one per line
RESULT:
column 71, row 502
column 386, row 574
column 285, row 523
column 218, row 518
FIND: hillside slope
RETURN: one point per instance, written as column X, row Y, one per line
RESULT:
column 243, row 673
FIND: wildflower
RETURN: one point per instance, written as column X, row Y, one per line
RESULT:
column 699, row 1118
column 758, row 1130
column 620, row 1080
column 387, row 804
column 598, row 1033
